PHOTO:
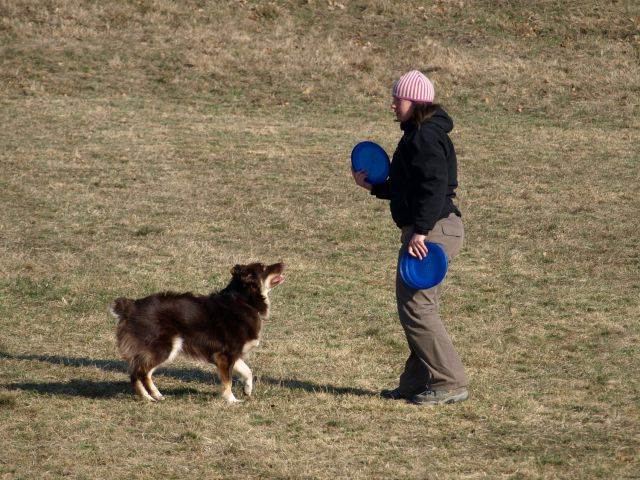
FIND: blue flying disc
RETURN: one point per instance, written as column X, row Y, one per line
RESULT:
column 425, row 273
column 371, row 158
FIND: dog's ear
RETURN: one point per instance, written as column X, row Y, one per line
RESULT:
column 242, row 273
column 237, row 270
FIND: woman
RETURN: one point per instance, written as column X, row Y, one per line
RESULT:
column 421, row 188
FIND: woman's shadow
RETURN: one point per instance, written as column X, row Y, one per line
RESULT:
column 109, row 389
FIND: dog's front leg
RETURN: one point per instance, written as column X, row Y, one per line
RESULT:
column 243, row 370
column 225, row 367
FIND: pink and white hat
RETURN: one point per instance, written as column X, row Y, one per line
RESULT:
column 414, row 86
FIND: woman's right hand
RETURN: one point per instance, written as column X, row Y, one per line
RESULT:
column 360, row 179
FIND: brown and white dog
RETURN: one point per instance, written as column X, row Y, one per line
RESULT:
column 219, row 328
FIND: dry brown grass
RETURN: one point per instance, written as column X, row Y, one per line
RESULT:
column 151, row 145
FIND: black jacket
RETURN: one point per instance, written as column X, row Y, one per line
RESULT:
column 423, row 175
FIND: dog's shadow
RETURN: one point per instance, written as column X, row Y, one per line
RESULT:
column 102, row 389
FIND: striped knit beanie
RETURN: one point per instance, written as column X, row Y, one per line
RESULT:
column 414, row 86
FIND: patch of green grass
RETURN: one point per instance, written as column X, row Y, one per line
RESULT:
column 146, row 230
column 35, row 289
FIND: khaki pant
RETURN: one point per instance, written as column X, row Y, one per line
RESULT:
column 433, row 361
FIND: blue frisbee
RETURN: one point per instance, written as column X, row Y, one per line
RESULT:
column 371, row 158
column 425, row 273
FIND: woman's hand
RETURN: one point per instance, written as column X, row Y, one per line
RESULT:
column 360, row 179
column 417, row 248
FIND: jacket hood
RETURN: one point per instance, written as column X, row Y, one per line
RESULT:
column 442, row 120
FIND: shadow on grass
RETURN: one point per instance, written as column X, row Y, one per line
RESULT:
column 90, row 389
column 95, row 389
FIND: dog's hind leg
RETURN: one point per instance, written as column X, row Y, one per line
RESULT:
column 139, row 372
column 138, row 380
column 168, row 356
column 225, row 367
column 243, row 370
column 151, row 387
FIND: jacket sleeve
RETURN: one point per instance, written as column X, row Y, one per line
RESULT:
column 382, row 190
column 428, row 167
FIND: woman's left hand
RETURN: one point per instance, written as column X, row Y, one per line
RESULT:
column 417, row 248
column 361, row 179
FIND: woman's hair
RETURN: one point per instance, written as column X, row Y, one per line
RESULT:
column 423, row 112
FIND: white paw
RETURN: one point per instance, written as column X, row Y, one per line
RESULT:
column 248, row 388
column 231, row 399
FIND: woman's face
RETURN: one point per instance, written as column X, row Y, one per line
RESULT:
column 402, row 108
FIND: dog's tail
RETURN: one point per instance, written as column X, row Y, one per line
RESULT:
column 121, row 308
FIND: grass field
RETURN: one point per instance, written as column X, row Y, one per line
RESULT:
column 151, row 145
